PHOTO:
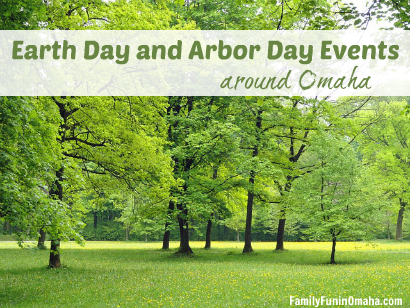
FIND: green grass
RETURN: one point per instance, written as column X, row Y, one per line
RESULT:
column 131, row 274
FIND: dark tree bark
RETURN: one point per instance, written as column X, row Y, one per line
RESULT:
column 249, row 206
column 184, row 247
column 208, row 234
column 280, row 238
column 41, row 240
column 56, row 192
column 182, row 216
column 332, row 256
column 281, row 234
column 54, row 261
column 167, row 232
column 209, row 225
column 295, row 154
column 400, row 216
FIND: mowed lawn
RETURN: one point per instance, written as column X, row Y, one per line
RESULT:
column 134, row 274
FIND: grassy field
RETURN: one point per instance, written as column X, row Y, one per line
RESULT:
column 131, row 274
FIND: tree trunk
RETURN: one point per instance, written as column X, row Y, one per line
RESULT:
column 280, row 238
column 248, row 228
column 56, row 191
column 400, row 216
column 41, row 240
column 281, row 234
column 237, row 236
column 332, row 256
column 208, row 233
column 249, row 207
column 167, row 233
column 95, row 220
column 55, row 254
column 184, row 247
column 209, row 226
column 165, row 240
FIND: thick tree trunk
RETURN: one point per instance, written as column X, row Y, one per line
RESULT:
column 248, row 228
column 332, row 256
column 208, row 234
column 56, row 191
column 281, row 234
column 167, row 233
column 165, row 240
column 41, row 240
column 183, row 223
column 54, row 261
column 184, row 247
column 400, row 216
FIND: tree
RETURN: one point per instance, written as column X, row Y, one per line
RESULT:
column 385, row 148
column 29, row 156
column 199, row 136
column 331, row 198
column 21, row 15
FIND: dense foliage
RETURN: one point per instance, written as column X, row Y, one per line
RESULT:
column 151, row 168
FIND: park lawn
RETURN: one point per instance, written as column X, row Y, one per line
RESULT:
column 135, row 274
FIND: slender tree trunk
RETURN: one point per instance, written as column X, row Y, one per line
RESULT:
column 208, row 233
column 209, row 225
column 400, row 216
column 167, row 232
column 280, row 238
column 248, row 228
column 281, row 233
column 332, row 256
column 41, row 239
column 237, row 236
column 249, row 207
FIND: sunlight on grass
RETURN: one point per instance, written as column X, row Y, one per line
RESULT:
column 325, row 246
column 135, row 274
